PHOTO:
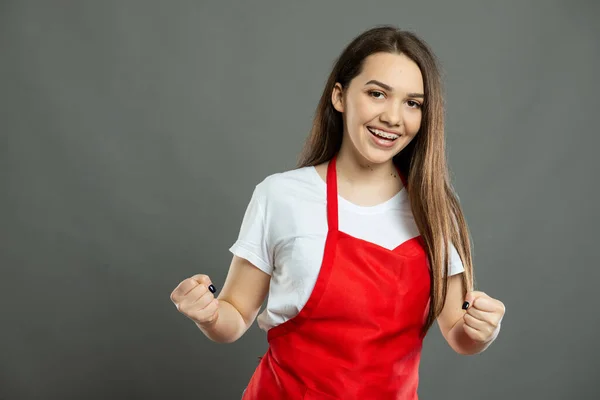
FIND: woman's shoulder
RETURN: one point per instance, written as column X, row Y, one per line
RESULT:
column 295, row 183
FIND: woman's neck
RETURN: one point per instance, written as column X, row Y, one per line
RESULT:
column 355, row 170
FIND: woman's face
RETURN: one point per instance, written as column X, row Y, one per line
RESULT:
column 381, row 107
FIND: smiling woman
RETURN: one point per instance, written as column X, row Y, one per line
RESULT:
column 361, row 248
column 390, row 111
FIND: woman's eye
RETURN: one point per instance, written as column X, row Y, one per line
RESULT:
column 375, row 93
column 414, row 104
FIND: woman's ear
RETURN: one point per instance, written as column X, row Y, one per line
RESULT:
column 337, row 98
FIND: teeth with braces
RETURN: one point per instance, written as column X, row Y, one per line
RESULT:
column 383, row 134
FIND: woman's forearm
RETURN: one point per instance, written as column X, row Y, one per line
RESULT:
column 228, row 327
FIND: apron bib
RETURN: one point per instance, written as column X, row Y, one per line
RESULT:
column 359, row 334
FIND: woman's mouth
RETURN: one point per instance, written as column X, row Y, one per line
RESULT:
column 383, row 134
column 383, row 138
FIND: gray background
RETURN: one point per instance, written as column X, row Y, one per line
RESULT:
column 133, row 133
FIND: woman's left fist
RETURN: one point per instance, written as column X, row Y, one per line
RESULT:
column 483, row 317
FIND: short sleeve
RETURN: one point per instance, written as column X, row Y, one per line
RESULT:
column 456, row 265
column 253, row 241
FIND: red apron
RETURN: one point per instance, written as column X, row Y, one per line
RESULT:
column 359, row 334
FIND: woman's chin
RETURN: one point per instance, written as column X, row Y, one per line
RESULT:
column 378, row 156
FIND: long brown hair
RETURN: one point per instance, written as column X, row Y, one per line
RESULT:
column 434, row 203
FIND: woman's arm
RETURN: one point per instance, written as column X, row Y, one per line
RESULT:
column 239, row 302
column 471, row 331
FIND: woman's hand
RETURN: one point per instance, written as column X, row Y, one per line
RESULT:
column 483, row 317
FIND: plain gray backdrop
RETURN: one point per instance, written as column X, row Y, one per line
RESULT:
column 133, row 133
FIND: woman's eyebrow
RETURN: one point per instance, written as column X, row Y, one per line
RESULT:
column 390, row 89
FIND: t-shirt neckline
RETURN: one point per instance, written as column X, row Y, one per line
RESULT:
column 392, row 202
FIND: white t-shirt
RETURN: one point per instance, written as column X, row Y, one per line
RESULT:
column 284, row 230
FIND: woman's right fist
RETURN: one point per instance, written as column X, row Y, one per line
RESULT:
column 194, row 298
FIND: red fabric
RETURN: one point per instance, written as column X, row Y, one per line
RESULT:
column 359, row 334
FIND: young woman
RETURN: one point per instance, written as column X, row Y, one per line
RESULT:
column 361, row 248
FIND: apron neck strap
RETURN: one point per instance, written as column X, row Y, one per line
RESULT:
column 332, row 196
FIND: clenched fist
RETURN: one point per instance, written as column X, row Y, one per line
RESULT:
column 483, row 317
column 194, row 298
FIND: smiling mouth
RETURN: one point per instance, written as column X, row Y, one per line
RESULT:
column 383, row 134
